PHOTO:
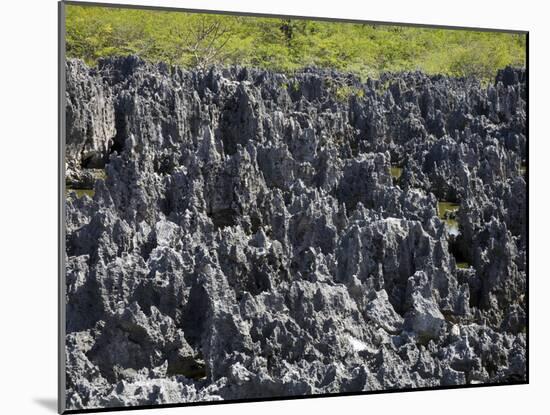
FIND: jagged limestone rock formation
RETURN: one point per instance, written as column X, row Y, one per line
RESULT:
column 247, row 238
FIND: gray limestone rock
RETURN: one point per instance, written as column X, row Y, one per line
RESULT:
column 246, row 239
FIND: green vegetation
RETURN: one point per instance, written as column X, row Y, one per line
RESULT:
column 342, row 91
column 396, row 171
column 523, row 169
column 80, row 193
column 200, row 40
column 445, row 208
column 82, row 189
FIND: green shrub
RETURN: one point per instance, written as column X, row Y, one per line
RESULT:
column 200, row 40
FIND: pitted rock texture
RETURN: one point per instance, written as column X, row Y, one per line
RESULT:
column 247, row 239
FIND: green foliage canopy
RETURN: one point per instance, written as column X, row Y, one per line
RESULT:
column 200, row 40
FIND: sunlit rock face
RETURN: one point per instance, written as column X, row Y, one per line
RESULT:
column 247, row 237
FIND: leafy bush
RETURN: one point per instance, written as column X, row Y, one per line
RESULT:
column 200, row 40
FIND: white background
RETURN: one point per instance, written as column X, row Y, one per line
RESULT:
column 28, row 206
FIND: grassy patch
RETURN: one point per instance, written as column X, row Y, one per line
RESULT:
column 443, row 208
column 396, row 171
column 80, row 193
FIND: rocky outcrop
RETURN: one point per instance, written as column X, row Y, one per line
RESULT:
column 90, row 118
column 246, row 239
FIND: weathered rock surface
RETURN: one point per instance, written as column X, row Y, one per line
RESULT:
column 247, row 240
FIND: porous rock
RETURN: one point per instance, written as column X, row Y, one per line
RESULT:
column 247, row 239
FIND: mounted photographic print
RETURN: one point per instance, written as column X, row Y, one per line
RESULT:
column 256, row 207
